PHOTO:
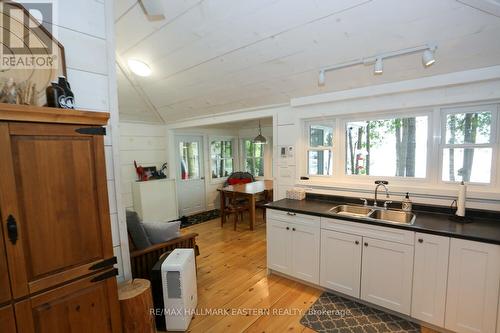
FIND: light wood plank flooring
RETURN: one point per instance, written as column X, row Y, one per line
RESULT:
column 232, row 277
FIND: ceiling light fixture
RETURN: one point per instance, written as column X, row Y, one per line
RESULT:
column 139, row 67
column 377, row 60
column 321, row 78
column 260, row 139
column 378, row 68
column 428, row 58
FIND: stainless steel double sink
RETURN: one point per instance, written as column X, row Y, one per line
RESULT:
column 374, row 213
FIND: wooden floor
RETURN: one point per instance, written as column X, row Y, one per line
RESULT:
column 232, row 278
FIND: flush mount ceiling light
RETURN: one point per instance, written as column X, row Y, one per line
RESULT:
column 139, row 67
column 377, row 60
column 260, row 139
column 378, row 67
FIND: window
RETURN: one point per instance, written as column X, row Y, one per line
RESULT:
column 467, row 144
column 221, row 158
column 394, row 147
column 253, row 157
column 320, row 149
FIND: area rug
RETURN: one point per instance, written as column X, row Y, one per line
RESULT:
column 335, row 314
column 187, row 221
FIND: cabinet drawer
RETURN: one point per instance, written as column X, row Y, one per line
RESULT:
column 291, row 217
column 369, row 230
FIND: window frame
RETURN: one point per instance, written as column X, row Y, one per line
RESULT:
column 494, row 129
column 244, row 157
column 212, row 139
column 331, row 122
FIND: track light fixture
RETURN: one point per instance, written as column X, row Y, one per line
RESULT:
column 377, row 61
column 378, row 67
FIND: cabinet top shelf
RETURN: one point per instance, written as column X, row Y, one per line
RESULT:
column 31, row 113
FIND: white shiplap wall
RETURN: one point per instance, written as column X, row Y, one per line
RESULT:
column 144, row 143
column 86, row 29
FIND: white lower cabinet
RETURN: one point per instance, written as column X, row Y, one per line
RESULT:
column 386, row 278
column 430, row 275
column 340, row 266
column 473, row 287
column 293, row 246
column 279, row 240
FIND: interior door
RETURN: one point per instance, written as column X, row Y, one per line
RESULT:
column 54, row 183
column 190, row 175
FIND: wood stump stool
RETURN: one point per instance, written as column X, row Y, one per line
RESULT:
column 136, row 303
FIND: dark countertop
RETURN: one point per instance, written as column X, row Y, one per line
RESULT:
column 481, row 229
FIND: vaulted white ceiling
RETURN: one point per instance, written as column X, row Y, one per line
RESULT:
column 213, row 56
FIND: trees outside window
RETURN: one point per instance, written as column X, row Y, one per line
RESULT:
column 320, row 150
column 253, row 157
column 221, row 158
column 395, row 147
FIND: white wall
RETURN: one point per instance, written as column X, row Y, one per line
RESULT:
column 144, row 143
column 86, row 29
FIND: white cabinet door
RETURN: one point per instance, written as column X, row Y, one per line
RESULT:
column 340, row 264
column 279, row 238
column 386, row 277
column 473, row 287
column 305, row 252
column 430, row 272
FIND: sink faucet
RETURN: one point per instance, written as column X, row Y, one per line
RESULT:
column 382, row 183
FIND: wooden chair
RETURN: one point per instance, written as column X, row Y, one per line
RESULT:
column 235, row 206
column 266, row 198
column 142, row 261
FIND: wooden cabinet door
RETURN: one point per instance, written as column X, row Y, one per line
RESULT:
column 341, row 262
column 7, row 320
column 55, row 188
column 473, row 287
column 430, row 273
column 386, row 277
column 278, row 246
column 305, row 252
column 79, row 307
column 5, row 295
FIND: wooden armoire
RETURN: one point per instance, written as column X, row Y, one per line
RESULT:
column 56, row 255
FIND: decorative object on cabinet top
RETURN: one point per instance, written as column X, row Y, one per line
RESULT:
column 31, row 113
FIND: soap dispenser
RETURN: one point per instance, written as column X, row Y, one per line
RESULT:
column 406, row 205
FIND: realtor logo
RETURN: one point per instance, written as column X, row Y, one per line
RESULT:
column 27, row 36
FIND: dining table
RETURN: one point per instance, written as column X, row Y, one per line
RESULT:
column 250, row 191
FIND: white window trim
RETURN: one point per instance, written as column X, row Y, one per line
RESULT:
column 211, row 139
column 434, row 151
column 329, row 122
column 243, row 156
column 443, row 112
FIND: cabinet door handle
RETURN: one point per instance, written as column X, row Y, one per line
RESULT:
column 12, row 229
column 420, row 240
column 287, row 228
column 356, row 242
column 366, row 244
column 293, row 229
column 290, row 214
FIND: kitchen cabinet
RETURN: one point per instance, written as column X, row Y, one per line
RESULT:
column 279, row 246
column 5, row 295
column 340, row 265
column 473, row 287
column 430, row 273
column 387, row 269
column 293, row 245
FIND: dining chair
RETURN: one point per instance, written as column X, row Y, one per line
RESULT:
column 234, row 206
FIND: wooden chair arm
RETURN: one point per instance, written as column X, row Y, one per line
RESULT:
column 170, row 243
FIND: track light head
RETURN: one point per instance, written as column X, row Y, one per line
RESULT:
column 321, row 78
column 378, row 68
column 428, row 58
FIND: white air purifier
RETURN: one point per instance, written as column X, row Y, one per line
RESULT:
column 180, row 295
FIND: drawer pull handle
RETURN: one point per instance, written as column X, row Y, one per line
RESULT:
column 420, row 240
column 287, row 228
column 290, row 214
column 356, row 242
column 293, row 229
column 366, row 244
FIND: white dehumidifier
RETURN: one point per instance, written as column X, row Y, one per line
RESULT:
column 180, row 295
